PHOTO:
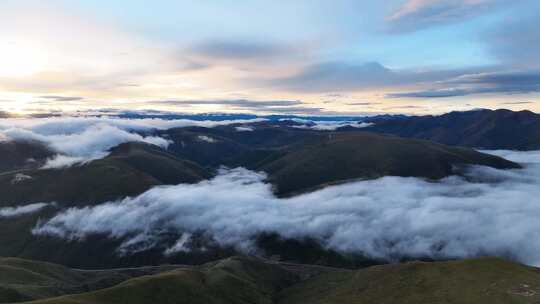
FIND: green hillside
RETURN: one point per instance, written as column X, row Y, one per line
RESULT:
column 247, row 280
column 477, row 281
column 130, row 169
column 23, row 280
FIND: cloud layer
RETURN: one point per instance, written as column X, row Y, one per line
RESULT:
column 490, row 212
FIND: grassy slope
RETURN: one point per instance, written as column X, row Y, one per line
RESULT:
column 343, row 156
column 23, row 280
column 129, row 170
column 478, row 281
column 241, row 280
column 234, row 280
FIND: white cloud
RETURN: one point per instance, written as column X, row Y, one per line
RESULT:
column 207, row 139
column 20, row 177
column 244, row 129
column 21, row 210
column 332, row 125
column 491, row 212
column 83, row 139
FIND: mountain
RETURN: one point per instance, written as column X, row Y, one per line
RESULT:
column 225, row 145
column 250, row 280
column 338, row 157
column 129, row 169
column 298, row 160
column 486, row 129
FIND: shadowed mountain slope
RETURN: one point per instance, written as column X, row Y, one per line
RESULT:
column 130, row 169
column 487, row 129
column 18, row 155
column 338, row 157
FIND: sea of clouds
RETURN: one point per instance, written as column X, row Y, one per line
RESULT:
column 82, row 139
column 487, row 212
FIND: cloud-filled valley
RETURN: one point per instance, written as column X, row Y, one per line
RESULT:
column 82, row 139
column 487, row 212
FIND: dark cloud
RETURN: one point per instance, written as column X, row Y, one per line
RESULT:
column 242, row 103
column 294, row 110
column 344, row 76
column 238, row 50
column 263, row 106
column 61, row 98
column 513, row 82
column 430, row 94
column 516, row 103
column 362, row 103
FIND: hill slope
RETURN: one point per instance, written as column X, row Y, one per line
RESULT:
column 487, row 129
column 23, row 280
column 477, row 281
column 245, row 280
column 338, row 157
column 130, row 169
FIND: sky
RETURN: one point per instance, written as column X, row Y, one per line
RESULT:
column 342, row 57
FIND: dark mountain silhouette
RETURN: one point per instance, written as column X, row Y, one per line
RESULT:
column 487, row 129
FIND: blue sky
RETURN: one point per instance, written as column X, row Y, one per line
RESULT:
column 314, row 57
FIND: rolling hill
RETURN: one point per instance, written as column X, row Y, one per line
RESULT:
column 24, row 280
column 343, row 156
column 249, row 280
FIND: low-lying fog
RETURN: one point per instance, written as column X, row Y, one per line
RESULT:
column 490, row 212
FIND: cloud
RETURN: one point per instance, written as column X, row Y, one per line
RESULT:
column 62, row 98
column 330, row 125
column 516, row 40
column 244, row 129
column 430, row 94
column 7, row 212
column 420, row 14
column 346, row 76
column 489, row 212
column 258, row 106
column 239, row 50
column 362, row 103
column 83, row 139
column 516, row 103
column 502, row 82
column 239, row 103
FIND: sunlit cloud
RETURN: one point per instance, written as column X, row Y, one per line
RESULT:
column 89, row 57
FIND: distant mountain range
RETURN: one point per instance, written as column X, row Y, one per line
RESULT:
column 484, row 129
